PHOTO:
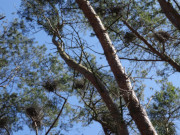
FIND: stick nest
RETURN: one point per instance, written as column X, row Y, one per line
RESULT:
column 129, row 37
column 79, row 84
column 3, row 122
column 161, row 36
column 50, row 85
column 36, row 114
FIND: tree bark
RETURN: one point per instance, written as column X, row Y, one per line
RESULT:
column 137, row 112
column 121, row 126
column 170, row 13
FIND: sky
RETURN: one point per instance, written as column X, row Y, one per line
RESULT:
column 7, row 7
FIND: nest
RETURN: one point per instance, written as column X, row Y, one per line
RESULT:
column 161, row 36
column 32, row 111
column 36, row 114
column 50, row 86
column 3, row 122
column 79, row 84
column 129, row 37
column 115, row 10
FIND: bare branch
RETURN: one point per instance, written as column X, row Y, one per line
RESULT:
column 2, row 17
column 56, row 117
column 146, row 60
column 163, row 56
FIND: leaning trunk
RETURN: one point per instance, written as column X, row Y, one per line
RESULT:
column 170, row 12
column 121, row 126
column 137, row 112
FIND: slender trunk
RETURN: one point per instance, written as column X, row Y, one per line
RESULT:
column 137, row 112
column 121, row 126
column 36, row 127
column 57, row 118
column 170, row 12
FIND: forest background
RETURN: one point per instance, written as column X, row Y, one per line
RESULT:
column 22, row 67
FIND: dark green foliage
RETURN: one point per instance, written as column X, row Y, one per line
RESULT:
column 165, row 109
column 24, row 67
column 10, row 107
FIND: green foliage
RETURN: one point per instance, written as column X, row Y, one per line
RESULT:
column 30, row 72
column 165, row 109
column 25, row 66
column 10, row 107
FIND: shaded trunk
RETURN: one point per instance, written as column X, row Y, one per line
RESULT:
column 137, row 112
column 170, row 13
column 106, row 132
column 121, row 126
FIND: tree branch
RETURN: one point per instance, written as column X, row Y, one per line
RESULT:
column 146, row 60
column 92, row 78
column 163, row 57
column 56, row 117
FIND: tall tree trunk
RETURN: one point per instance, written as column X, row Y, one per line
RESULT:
column 121, row 126
column 137, row 112
column 170, row 12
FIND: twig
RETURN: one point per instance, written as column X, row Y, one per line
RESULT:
column 149, row 102
column 135, row 59
column 56, row 117
column 7, row 130
column 2, row 17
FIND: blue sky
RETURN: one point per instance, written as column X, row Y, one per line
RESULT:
column 7, row 7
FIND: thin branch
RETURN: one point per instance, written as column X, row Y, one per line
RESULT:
column 95, row 51
column 149, row 102
column 56, row 117
column 7, row 130
column 2, row 17
column 135, row 59
column 113, row 22
column 10, row 77
column 176, row 4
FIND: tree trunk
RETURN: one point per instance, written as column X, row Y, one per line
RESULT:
column 137, row 112
column 170, row 13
